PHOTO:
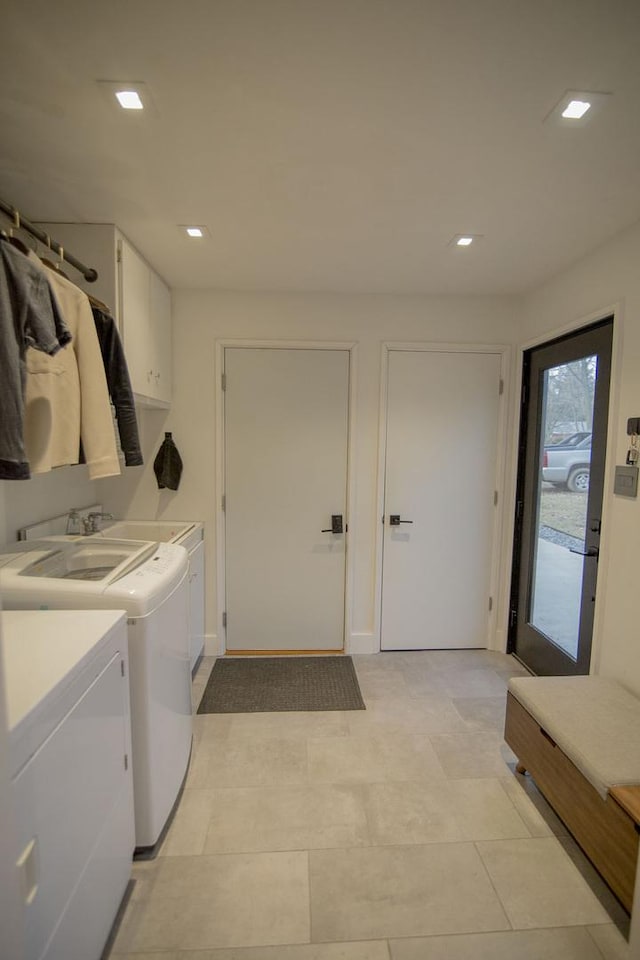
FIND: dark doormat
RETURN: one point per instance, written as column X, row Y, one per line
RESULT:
column 265, row 684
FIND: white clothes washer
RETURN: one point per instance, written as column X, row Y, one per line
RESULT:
column 150, row 582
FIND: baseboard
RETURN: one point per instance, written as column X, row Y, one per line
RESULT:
column 358, row 643
column 363, row 643
column 213, row 645
column 500, row 641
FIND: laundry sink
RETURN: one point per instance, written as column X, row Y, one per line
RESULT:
column 90, row 560
column 162, row 531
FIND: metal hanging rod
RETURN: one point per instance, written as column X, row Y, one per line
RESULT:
column 21, row 223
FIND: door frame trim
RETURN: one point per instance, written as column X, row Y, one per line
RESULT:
column 497, row 615
column 616, row 310
column 220, row 346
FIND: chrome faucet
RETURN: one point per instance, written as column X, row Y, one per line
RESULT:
column 91, row 523
column 74, row 522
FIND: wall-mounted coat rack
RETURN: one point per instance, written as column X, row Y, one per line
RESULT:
column 21, row 223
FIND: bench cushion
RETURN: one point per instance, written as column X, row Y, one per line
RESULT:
column 593, row 720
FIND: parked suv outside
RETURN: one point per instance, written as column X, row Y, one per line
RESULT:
column 568, row 463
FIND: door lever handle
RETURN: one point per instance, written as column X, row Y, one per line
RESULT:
column 590, row 552
column 395, row 521
column 336, row 524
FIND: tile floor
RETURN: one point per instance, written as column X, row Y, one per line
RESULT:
column 397, row 833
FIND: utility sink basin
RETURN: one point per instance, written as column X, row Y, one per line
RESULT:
column 90, row 560
column 162, row 531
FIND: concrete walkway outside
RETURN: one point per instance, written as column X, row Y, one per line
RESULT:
column 556, row 601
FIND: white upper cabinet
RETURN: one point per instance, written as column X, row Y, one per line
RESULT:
column 145, row 325
column 160, row 310
column 138, row 298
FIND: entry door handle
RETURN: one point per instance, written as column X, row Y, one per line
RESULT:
column 336, row 524
column 395, row 521
column 589, row 552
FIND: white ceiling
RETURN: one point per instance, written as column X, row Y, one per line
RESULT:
column 329, row 145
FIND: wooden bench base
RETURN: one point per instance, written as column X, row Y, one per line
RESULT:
column 604, row 830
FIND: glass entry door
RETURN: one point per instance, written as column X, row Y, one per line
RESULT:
column 559, row 502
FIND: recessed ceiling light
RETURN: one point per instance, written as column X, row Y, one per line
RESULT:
column 129, row 99
column 576, row 109
column 195, row 231
column 464, row 239
column 131, row 95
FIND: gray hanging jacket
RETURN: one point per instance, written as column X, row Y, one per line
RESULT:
column 167, row 465
column 119, row 384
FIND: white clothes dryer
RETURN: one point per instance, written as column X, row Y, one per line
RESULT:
column 149, row 582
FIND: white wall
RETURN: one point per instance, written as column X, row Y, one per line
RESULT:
column 202, row 317
column 55, row 493
column 43, row 496
column 587, row 291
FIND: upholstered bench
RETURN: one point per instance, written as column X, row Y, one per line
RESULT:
column 579, row 738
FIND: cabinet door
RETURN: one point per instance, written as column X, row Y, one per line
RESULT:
column 160, row 329
column 135, row 319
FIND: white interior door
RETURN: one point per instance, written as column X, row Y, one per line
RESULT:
column 442, row 418
column 286, row 435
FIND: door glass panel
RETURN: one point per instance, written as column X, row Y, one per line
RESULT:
column 562, row 491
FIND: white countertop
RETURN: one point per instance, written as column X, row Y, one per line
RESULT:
column 43, row 648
